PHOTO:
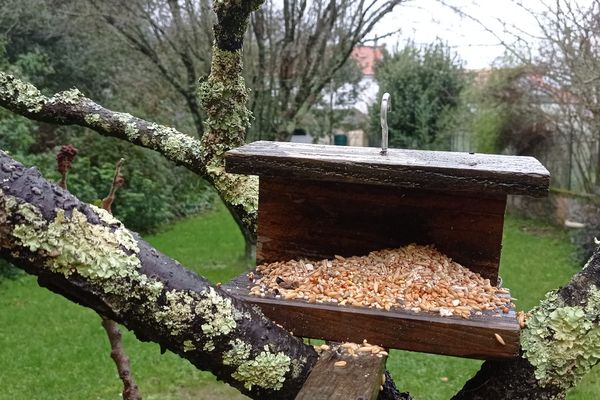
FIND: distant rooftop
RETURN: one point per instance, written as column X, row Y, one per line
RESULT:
column 367, row 57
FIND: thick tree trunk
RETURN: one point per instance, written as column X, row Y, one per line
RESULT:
column 84, row 254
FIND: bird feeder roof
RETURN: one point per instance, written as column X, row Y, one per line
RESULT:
column 432, row 170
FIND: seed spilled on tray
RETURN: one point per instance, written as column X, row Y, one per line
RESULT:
column 414, row 277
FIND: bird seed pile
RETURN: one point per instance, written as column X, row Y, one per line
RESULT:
column 413, row 277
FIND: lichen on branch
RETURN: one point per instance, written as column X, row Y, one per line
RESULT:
column 71, row 107
column 224, row 96
column 87, row 255
column 562, row 341
column 104, row 253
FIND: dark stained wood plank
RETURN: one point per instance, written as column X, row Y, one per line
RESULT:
column 439, row 170
column 399, row 329
column 360, row 379
column 317, row 220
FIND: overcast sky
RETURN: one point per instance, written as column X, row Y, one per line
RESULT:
column 426, row 20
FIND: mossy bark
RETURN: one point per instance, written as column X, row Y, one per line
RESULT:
column 239, row 193
column 560, row 343
column 86, row 255
column 224, row 98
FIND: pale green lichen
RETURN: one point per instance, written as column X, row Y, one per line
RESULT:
column 106, row 255
column 563, row 342
column 239, row 352
column 297, row 367
column 177, row 314
column 71, row 96
column 27, row 212
column 105, row 216
column 224, row 96
column 188, row 345
column 238, row 190
column 218, row 313
column 96, row 121
column 92, row 119
column 24, row 94
column 175, row 145
column 182, row 307
column 267, row 370
column 75, row 245
column 209, row 345
column 129, row 125
column 131, row 129
column 152, row 287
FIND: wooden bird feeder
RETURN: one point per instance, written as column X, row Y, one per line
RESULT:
column 318, row 201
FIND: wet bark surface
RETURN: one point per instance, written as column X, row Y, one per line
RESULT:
column 27, row 186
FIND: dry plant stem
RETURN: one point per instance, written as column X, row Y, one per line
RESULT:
column 117, row 353
column 63, row 180
column 117, row 182
column 64, row 162
column 130, row 389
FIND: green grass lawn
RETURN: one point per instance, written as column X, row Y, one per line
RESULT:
column 52, row 349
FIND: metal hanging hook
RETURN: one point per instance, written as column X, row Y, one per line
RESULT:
column 386, row 105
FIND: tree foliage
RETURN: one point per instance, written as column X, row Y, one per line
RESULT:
column 505, row 111
column 425, row 84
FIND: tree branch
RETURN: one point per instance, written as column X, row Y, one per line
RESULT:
column 560, row 344
column 86, row 255
column 224, row 97
column 240, row 193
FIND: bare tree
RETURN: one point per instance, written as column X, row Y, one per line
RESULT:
column 293, row 50
column 569, row 57
column 299, row 50
column 174, row 36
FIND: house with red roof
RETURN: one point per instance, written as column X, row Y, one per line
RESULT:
column 367, row 58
